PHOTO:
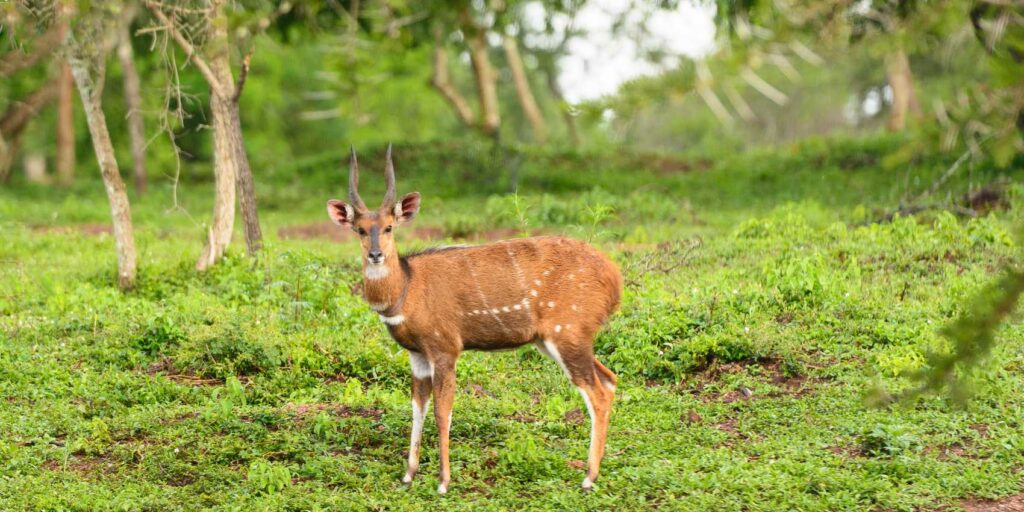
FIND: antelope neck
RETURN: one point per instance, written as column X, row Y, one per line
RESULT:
column 390, row 290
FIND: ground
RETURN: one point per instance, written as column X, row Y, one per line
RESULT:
column 763, row 305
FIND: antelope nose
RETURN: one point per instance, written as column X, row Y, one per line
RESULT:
column 376, row 255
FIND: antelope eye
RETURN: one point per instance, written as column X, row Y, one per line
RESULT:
column 362, row 232
column 387, row 229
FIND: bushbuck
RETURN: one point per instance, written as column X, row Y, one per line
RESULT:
column 552, row 292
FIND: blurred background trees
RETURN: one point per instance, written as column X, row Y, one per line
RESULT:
column 319, row 75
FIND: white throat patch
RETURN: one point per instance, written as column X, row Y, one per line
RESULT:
column 393, row 320
column 376, row 271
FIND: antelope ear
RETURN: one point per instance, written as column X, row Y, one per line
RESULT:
column 407, row 208
column 341, row 213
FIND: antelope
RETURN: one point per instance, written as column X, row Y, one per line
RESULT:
column 553, row 292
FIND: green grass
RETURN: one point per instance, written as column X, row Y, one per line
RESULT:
column 761, row 309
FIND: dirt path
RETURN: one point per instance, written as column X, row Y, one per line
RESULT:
column 1010, row 504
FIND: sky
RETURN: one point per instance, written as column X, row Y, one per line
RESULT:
column 599, row 61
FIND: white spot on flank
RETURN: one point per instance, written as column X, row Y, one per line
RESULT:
column 476, row 311
column 572, row 276
column 422, row 368
column 558, row 328
column 517, row 307
column 546, row 272
column 551, row 304
column 494, row 311
column 505, row 309
column 574, row 308
column 393, row 320
column 533, row 292
column 536, row 282
column 374, row 272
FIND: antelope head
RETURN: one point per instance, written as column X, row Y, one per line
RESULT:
column 374, row 227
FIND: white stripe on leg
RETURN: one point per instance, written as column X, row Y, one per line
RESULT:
column 419, row 413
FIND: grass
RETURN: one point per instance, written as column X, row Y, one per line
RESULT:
column 761, row 309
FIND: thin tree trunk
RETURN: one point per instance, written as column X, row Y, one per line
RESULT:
column 133, row 102
column 8, row 150
column 443, row 84
column 523, row 92
column 225, row 181
column 246, row 185
column 224, row 156
column 563, row 105
column 901, row 81
column 120, row 211
column 486, row 85
column 66, row 127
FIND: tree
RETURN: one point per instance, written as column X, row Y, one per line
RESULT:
column 522, row 85
column 86, row 48
column 132, row 98
column 18, row 114
column 65, row 139
column 231, row 164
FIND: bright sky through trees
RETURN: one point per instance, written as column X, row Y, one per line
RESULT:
column 601, row 59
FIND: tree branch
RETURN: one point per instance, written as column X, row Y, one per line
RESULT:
column 443, row 84
column 243, row 74
column 43, row 46
column 185, row 45
column 19, row 113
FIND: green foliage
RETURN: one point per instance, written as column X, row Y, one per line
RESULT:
column 889, row 440
column 527, row 460
column 269, row 478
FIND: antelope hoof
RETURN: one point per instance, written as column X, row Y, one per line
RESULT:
column 407, row 479
column 442, row 488
column 588, row 484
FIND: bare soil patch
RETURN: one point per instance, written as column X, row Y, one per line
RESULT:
column 1010, row 504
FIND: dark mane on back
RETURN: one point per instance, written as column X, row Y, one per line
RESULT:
column 434, row 250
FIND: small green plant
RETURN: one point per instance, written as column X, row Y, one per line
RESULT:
column 268, row 478
column 160, row 334
column 526, row 459
column 888, row 441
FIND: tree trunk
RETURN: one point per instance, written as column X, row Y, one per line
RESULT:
column 443, row 84
column 486, row 85
column 901, row 81
column 556, row 91
column 66, row 127
column 8, row 150
column 246, row 186
column 133, row 102
column 120, row 211
column 225, row 165
column 523, row 92
column 225, row 179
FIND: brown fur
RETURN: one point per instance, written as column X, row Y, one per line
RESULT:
column 554, row 292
